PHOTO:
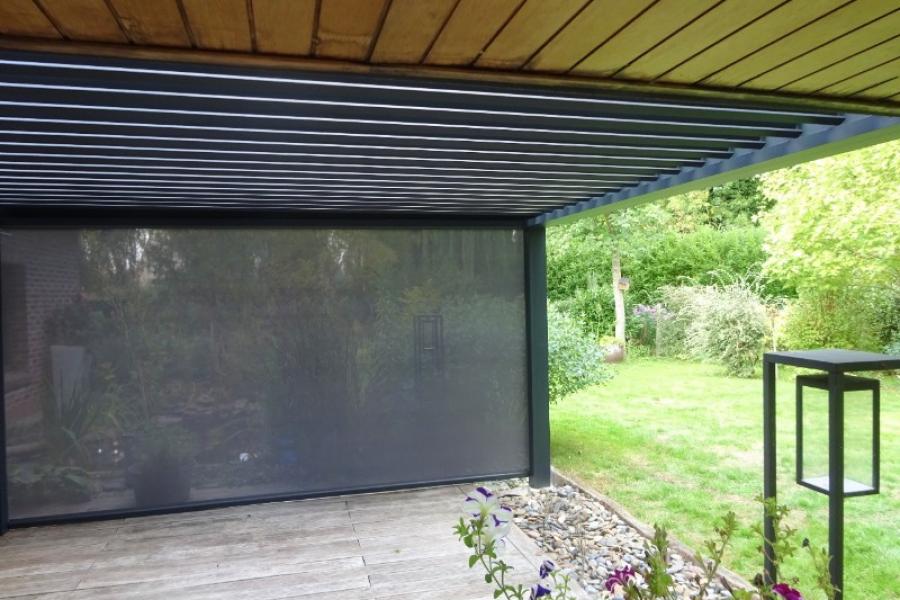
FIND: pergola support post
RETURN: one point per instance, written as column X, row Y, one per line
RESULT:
column 4, row 499
column 538, row 377
column 836, row 480
column 770, row 573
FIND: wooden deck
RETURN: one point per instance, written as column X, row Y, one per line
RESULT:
column 396, row 545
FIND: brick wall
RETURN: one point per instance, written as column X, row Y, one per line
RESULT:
column 49, row 263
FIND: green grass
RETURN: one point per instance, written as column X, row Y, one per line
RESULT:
column 679, row 444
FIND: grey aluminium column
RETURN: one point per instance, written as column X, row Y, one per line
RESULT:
column 4, row 476
column 769, row 450
column 538, row 382
column 836, row 479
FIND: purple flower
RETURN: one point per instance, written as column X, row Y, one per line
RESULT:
column 644, row 309
column 479, row 502
column 482, row 504
column 787, row 592
column 499, row 520
column 619, row 577
column 539, row 590
column 547, row 567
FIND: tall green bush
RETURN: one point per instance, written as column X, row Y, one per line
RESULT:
column 575, row 360
column 848, row 317
column 578, row 267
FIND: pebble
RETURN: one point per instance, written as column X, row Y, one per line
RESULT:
column 589, row 540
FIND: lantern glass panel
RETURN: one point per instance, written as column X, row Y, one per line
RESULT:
column 815, row 433
column 858, row 415
column 860, row 453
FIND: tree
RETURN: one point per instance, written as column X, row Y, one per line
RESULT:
column 736, row 203
column 836, row 221
column 834, row 236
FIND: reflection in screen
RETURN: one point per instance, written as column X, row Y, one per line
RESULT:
column 159, row 367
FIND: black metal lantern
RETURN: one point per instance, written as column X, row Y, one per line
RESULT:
column 861, row 399
column 834, row 413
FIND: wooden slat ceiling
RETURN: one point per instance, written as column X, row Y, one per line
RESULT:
column 833, row 54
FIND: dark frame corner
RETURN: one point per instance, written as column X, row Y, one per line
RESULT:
column 538, row 376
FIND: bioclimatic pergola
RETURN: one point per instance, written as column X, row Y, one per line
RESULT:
column 376, row 222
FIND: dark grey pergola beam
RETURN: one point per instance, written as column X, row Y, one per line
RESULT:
column 431, row 96
column 616, row 155
column 160, row 145
column 344, row 114
column 856, row 131
column 111, row 132
column 41, row 116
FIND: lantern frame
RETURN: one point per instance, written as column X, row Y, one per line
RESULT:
column 822, row 484
column 836, row 364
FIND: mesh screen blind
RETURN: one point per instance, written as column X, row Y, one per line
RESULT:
column 147, row 368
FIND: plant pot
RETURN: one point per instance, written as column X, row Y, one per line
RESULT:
column 613, row 353
column 161, row 483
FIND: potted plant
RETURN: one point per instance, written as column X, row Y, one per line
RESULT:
column 162, row 464
column 35, row 484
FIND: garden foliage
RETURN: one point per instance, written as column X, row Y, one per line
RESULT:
column 821, row 241
column 834, row 236
column 723, row 323
column 575, row 359
column 654, row 256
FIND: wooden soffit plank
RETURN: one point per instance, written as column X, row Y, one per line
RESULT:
column 529, row 29
column 23, row 17
column 803, row 40
column 884, row 90
column 346, row 28
column 469, row 30
column 284, row 26
column 861, row 83
column 84, row 20
column 853, row 65
column 856, row 43
column 663, row 19
column 598, row 22
column 772, row 26
column 710, row 28
column 153, row 24
column 219, row 24
column 409, row 28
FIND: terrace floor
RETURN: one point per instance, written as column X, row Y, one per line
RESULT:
column 393, row 545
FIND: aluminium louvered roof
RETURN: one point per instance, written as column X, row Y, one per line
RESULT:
column 83, row 131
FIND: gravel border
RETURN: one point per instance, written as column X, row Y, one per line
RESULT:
column 590, row 535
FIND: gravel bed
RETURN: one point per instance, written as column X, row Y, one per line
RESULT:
column 589, row 540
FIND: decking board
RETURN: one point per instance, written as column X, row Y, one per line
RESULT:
column 391, row 546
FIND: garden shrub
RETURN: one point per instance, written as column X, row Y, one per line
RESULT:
column 735, row 329
column 680, row 303
column 592, row 307
column 640, row 328
column 575, row 359
column 723, row 323
column 893, row 347
column 851, row 317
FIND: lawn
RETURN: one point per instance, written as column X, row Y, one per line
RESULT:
column 679, row 444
